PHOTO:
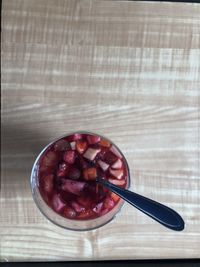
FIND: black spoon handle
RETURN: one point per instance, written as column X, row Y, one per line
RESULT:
column 159, row 212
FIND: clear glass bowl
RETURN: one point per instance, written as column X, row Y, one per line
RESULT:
column 50, row 214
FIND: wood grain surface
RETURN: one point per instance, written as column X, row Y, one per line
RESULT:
column 127, row 70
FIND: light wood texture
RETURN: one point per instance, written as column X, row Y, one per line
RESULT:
column 127, row 70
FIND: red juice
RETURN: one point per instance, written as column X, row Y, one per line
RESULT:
column 67, row 176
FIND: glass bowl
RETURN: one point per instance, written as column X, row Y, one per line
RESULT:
column 51, row 215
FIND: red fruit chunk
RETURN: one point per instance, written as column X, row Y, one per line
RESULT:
column 74, row 173
column 49, row 161
column 90, row 174
column 104, row 143
column 115, row 151
column 47, row 183
column 117, row 173
column 83, row 163
column 110, row 158
column 81, row 146
column 62, row 170
column 57, row 203
column 73, row 145
column 104, row 166
column 104, row 211
column 87, row 214
column 84, row 201
column 109, row 203
column 69, row 156
column 93, row 139
column 117, row 182
column 77, row 207
column 68, row 212
column 98, row 207
column 114, row 196
column 74, row 137
column 117, row 164
column 61, row 145
column 91, row 153
column 72, row 186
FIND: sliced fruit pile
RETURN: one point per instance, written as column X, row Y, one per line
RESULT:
column 68, row 170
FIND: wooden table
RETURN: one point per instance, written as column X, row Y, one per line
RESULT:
column 127, row 70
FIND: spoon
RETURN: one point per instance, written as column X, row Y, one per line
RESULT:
column 159, row 212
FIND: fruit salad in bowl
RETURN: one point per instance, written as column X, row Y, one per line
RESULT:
column 63, row 180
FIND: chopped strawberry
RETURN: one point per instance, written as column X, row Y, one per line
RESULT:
column 68, row 212
column 104, row 166
column 62, row 170
column 117, row 173
column 110, row 158
column 74, row 173
column 85, row 201
column 74, row 137
column 77, row 207
column 117, row 182
column 98, row 207
column 57, row 203
column 91, row 153
column 73, row 145
column 104, row 143
column 115, row 151
column 117, row 164
column 90, row 174
column 69, row 156
column 114, row 196
column 87, row 214
column 83, row 163
column 81, row 146
column 47, row 183
column 49, row 161
column 109, row 203
column 61, row 145
column 93, row 139
column 72, row 186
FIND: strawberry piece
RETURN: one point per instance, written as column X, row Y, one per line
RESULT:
column 47, row 183
column 49, row 161
column 62, row 170
column 83, row 163
column 61, row 145
column 98, row 207
column 104, row 143
column 90, row 174
column 68, row 212
column 73, row 187
column 73, row 145
column 57, row 203
column 69, row 156
column 74, row 173
column 117, row 173
column 93, row 139
column 81, row 146
column 115, row 151
column 117, row 164
column 104, row 166
column 117, row 182
column 110, row 158
column 91, row 153
column 114, row 196
column 87, row 214
column 74, row 137
column 84, row 201
column 109, row 203
column 77, row 207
